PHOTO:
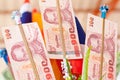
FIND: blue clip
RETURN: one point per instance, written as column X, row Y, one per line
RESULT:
column 4, row 55
column 103, row 10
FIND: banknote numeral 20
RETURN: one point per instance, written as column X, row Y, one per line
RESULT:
column 91, row 21
column 7, row 34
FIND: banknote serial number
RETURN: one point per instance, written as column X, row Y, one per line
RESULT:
column 91, row 21
column 7, row 34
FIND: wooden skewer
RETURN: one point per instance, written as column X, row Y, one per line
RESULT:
column 27, row 47
column 102, row 48
column 29, row 52
column 65, row 61
column 104, row 10
column 61, row 29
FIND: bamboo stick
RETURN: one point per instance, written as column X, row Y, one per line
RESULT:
column 18, row 21
column 61, row 29
column 104, row 10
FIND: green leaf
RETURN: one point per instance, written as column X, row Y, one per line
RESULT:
column 85, row 70
column 80, row 77
column 69, row 70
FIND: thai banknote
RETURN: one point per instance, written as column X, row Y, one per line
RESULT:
column 19, row 60
column 94, row 39
column 51, row 30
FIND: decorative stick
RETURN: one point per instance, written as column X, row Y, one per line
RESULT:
column 65, row 63
column 61, row 28
column 16, row 16
column 103, row 10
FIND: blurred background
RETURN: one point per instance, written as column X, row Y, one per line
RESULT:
column 81, row 10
